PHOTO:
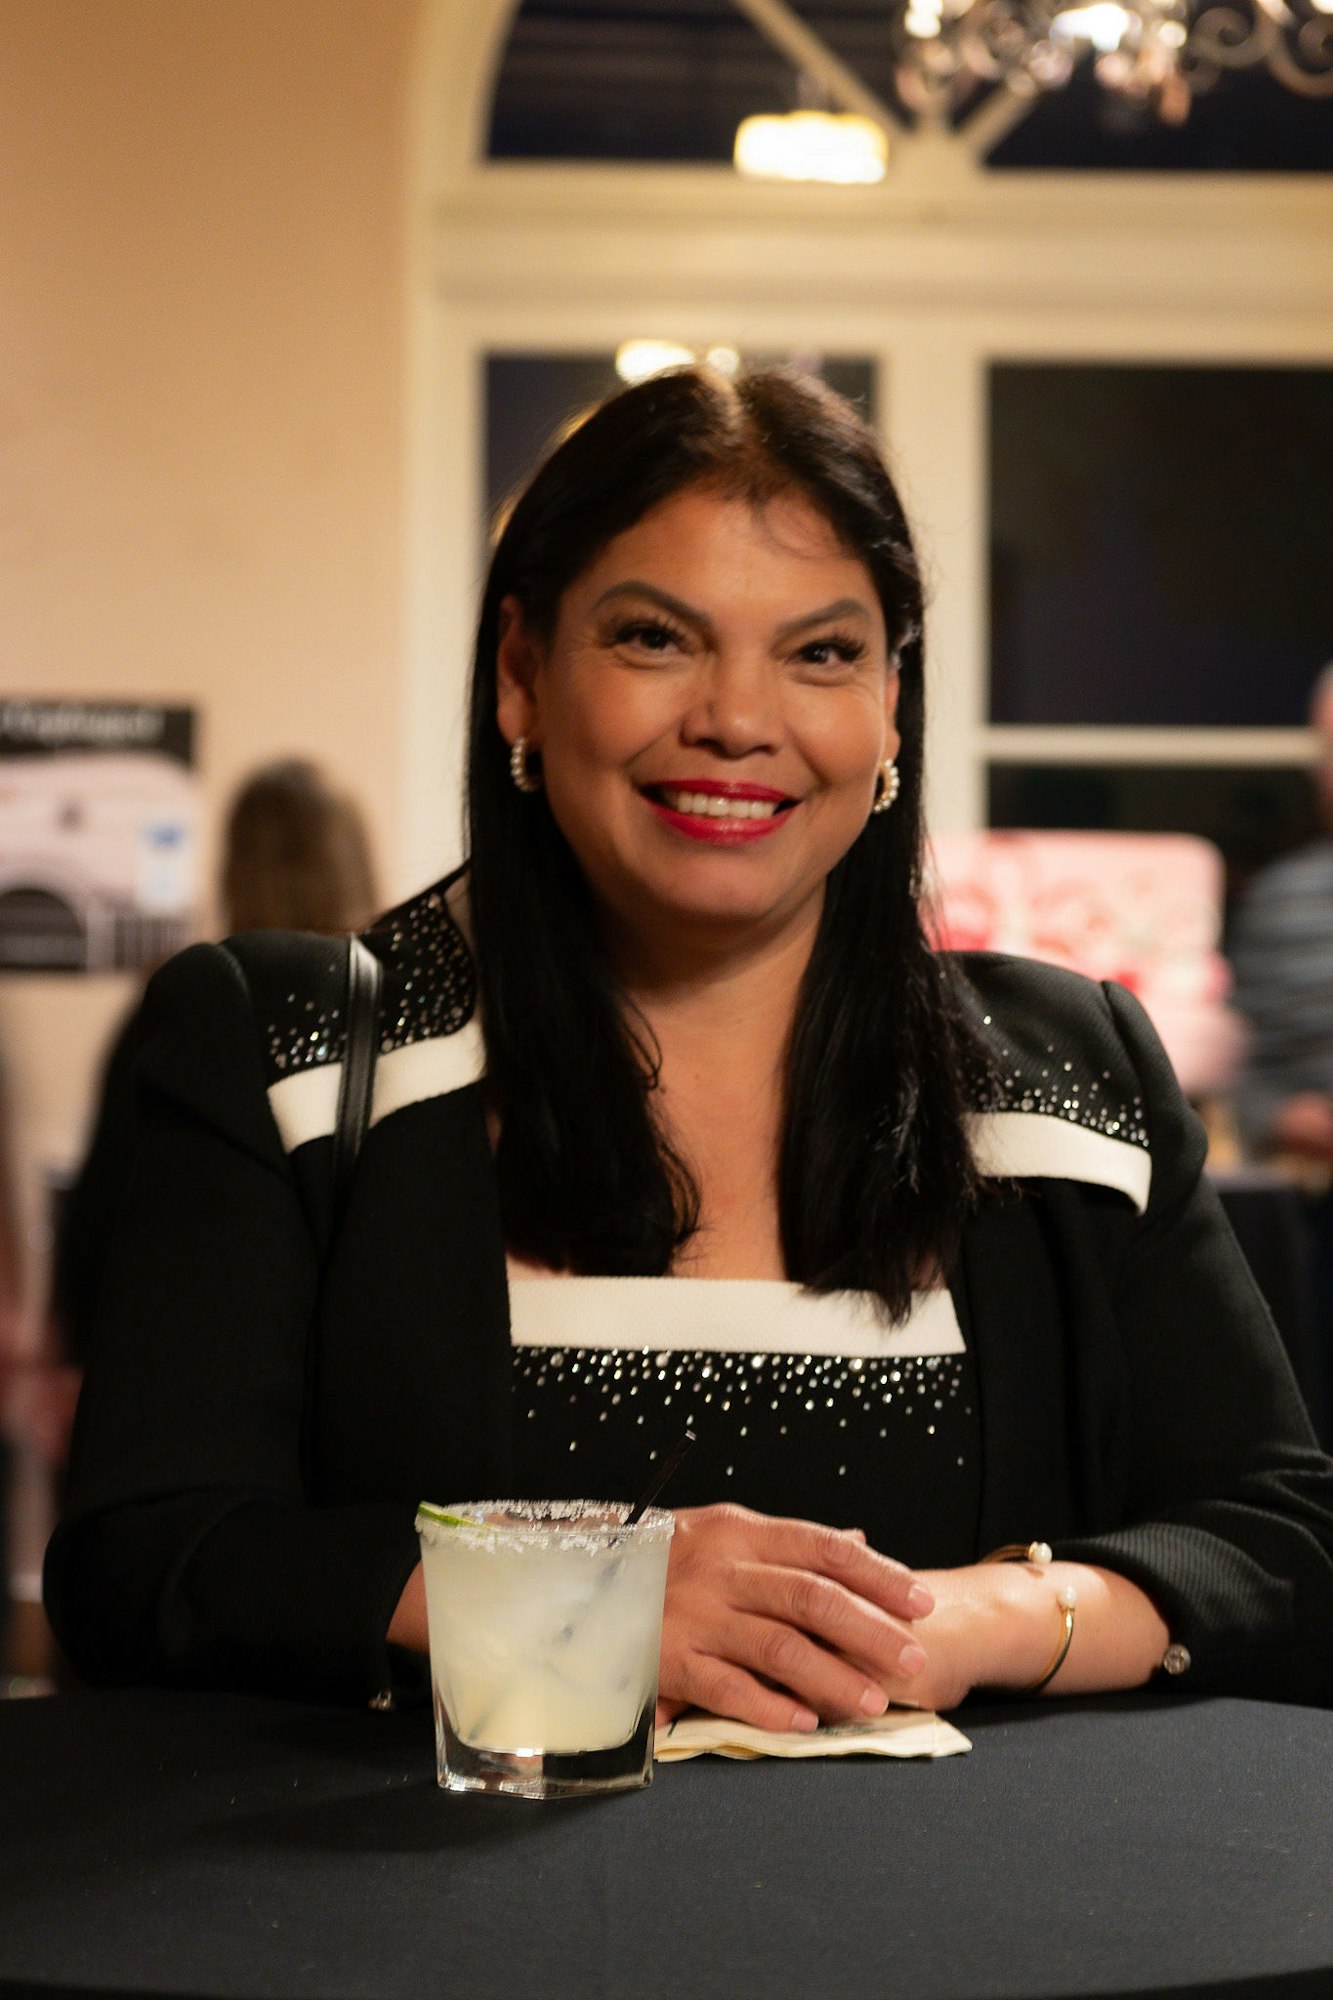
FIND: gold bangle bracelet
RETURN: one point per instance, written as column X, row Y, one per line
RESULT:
column 1065, row 1602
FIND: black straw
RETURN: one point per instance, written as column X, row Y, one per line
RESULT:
column 665, row 1471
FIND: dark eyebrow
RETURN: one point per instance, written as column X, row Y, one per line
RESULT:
column 675, row 605
column 842, row 607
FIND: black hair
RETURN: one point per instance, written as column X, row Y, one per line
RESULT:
column 876, row 1176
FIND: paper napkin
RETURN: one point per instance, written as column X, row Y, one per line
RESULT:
column 900, row 1732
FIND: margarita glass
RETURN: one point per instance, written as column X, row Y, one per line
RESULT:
column 545, row 1624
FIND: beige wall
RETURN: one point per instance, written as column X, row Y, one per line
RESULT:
column 201, row 335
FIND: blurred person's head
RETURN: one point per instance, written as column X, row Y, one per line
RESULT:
column 296, row 854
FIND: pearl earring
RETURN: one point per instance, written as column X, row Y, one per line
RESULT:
column 890, row 784
column 520, row 770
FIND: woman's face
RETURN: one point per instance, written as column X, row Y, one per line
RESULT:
column 712, row 710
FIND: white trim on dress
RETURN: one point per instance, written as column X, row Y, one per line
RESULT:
column 1007, row 1145
column 723, row 1316
column 1033, row 1145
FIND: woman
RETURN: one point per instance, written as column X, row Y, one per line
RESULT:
column 921, row 1247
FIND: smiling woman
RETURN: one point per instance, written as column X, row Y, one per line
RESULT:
column 678, row 1119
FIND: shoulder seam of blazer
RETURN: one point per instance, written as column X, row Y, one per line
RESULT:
column 1061, row 1100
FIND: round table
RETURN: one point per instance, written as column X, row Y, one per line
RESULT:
column 220, row 1846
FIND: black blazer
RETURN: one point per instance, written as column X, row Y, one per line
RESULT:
column 268, row 1402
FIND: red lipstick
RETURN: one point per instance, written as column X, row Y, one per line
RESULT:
column 716, row 829
column 723, row 788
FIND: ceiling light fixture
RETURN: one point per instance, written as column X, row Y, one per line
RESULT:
column 831, row 146
column 1158, row 52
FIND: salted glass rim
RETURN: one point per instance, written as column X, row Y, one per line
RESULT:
column 543, row 1524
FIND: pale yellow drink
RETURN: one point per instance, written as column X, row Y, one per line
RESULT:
column 545, row 1625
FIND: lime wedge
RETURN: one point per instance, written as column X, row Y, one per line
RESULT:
column 449, row 1520
column 444, row 1519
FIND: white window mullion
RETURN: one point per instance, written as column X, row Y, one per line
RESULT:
column 1059, row 743
column 933, row 390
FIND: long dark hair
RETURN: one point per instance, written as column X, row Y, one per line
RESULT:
column 876, row 1177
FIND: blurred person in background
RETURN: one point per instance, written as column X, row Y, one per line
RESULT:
column 296, row 856
column 1282, row 953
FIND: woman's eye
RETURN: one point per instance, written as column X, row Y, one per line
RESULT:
column 835, row 651
column 647, row 635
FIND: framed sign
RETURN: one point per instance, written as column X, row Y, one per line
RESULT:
column 98, row 827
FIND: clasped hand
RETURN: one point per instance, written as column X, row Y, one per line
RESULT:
column 785, row 1624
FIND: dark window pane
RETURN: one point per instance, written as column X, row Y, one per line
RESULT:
column 588, row 80
column 529, row 397
column 1249, row 123
column 1252, row 815
column 1159, row 543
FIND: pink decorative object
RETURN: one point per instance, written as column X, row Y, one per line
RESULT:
column 1142, row 908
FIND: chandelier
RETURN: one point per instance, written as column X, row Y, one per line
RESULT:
column 952, row 56
column 1157, row 52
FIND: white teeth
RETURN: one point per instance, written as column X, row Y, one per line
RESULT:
column 707, row 805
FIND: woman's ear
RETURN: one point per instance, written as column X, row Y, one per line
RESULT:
column 517, row 661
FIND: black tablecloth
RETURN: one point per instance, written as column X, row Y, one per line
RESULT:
column 220, row 1846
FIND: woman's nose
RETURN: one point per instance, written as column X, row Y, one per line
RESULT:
column 733, row 707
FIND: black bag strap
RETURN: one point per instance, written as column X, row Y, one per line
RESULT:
column 362, row 1009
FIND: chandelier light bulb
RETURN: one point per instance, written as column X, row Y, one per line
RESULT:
column 924, row 18
column 1104, row 24
column 812, row 146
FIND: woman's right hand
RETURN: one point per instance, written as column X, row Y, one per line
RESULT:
column 783, row 1623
